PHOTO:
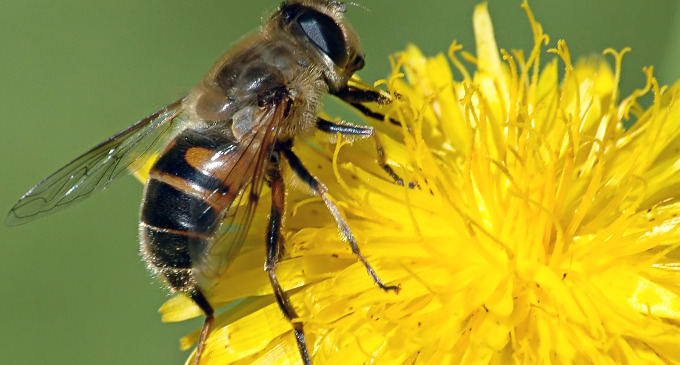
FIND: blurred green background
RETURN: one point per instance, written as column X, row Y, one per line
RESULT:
column 74, row 72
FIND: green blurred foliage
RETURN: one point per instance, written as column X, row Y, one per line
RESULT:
column 74, row 72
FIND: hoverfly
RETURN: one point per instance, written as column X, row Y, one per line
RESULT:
column 220, row 145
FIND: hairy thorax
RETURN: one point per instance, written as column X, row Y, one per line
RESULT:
column 251, row 77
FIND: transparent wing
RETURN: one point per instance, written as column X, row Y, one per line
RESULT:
column 93, row 171
column 247, row 170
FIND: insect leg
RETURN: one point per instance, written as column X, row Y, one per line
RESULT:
column 203, row 303
column 316, row 185
column 356, row 98
column 356, row 95
column 273, row 254
column 366, row 132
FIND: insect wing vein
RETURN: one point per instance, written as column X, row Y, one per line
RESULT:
column 248, row 171
column 93, row 171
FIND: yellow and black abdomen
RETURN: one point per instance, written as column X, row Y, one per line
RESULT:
column 182, row 207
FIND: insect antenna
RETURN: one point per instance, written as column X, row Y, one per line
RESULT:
column 360, row 6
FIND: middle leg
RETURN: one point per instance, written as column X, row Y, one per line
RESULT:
column 317, row 186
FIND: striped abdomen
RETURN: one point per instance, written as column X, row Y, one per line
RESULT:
column 184, row 198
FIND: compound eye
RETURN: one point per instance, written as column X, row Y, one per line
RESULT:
column 325, row 34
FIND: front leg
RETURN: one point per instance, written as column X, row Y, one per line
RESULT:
column 357, row 96
column 364, row 132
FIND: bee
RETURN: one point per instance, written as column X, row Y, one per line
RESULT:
column 217, row 148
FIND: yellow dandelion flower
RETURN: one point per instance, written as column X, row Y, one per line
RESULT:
column 541, row 229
